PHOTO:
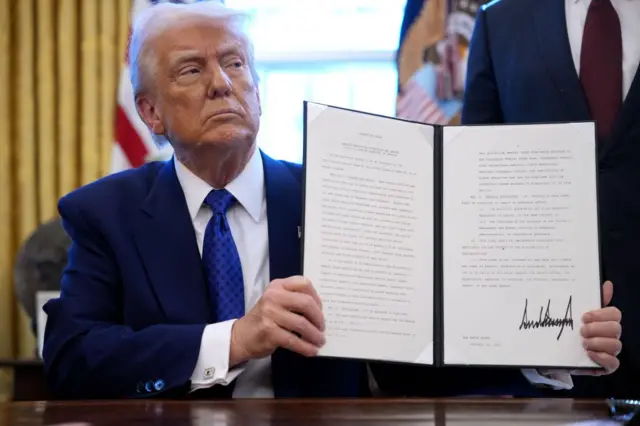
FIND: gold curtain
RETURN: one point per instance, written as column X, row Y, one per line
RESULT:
column 59, row 67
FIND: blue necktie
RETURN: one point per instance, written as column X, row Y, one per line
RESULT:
column 221, row 261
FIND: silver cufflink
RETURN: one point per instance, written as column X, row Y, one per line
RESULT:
column 208, row 373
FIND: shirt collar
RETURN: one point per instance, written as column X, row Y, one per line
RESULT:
column 247, row 187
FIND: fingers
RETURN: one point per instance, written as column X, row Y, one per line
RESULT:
column 607, row 293
column 288, row 340
column 303, row 304
column 299, row 324
column 606, row 361
column 610, row 313
column 603, row 344
column 290, row 316
column 301, row 285
column 300, row 297
column 611, row 329
column 601, row 332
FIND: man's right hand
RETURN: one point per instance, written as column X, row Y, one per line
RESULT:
column 289, row 315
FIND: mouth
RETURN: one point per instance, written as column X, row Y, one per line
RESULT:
column 225, row 111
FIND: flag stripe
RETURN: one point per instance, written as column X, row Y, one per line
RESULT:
column 131, row 135
column 426, row 85
column 134, row 148
column 414, row 103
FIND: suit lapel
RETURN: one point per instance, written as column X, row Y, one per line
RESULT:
column 284, row 210
column 629, row 114
column 551, row 30
column 631, row 107
column 166, row 241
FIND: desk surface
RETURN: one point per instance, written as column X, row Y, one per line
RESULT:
column 374, row 412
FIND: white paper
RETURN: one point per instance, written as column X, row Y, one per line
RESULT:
column 520, row 229
column 368, row 237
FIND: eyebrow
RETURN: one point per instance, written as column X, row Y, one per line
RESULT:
column 184, row 56
column 231, row 49
column 187, row 55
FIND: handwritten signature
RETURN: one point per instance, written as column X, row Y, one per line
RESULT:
column 547, row 321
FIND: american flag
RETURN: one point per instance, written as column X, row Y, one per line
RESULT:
column 133, row 143
column 414, row 103
column 431, row 63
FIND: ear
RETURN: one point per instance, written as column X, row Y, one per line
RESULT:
column 149, row 114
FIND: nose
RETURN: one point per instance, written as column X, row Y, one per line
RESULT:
column 220, row 85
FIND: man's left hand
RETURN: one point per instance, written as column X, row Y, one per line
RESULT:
column 601, row 335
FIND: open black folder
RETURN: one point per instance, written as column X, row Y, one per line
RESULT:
column 451, row 245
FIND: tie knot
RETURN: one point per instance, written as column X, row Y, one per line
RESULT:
column 219, row 200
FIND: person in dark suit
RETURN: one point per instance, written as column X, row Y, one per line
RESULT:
column 575, row 60
column 520, row 70
column 182, row 279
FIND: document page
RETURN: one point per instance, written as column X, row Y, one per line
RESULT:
column 368, row 233
column 521, row 257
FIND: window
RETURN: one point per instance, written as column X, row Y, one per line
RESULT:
column 338, row 52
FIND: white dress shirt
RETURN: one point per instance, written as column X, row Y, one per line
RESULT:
column 248, row 222
column 629, row 15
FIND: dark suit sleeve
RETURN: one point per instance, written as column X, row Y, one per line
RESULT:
column 88, row 353
column 481, row 97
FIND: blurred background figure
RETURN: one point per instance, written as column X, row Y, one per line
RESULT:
column 39, row 265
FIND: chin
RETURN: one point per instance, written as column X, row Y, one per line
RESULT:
column 229, row 138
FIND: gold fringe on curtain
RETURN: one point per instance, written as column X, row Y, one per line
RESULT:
column 59, row 71
column 67, row 67
column 89, row 93
column 26, row 185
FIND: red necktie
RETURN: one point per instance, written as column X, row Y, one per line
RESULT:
column 601, row 65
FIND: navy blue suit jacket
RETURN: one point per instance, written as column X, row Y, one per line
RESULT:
column 134, row 298
column 520, row 70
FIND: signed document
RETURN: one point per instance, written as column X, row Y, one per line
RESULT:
column 451, row 245
column 520, row 243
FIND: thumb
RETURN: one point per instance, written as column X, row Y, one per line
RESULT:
column 607, row 293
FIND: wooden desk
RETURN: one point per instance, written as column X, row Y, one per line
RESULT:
column 374, row 412
column 28, row 379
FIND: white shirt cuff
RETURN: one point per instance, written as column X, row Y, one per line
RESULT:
column 557, row 379
column 212, row 367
